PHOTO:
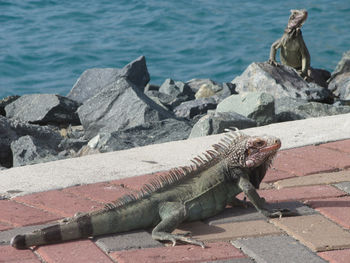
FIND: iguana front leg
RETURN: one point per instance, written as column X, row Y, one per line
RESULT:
column 276, row 45
column 257, row 201
column 172, row 214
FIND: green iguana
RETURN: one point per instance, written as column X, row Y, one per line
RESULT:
column 237, row 163
column 294, row 52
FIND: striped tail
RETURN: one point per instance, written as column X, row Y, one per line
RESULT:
column 78, row 228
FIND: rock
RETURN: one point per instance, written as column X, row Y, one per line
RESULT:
column 94, row 80
column 221, row 92
column 12, row 130
column 340, row 86
column 189, row 109
column 280, row 81
column 177, row 89
column 258, row 106
column 217, row 122
column 151, row 87
column 145, row 134
column 165, row 100
column 28, row 150
column 319, row 76
column 289, row 109
column 119, row 106
column 6, row 101
column 343, row 65
column 44, row 109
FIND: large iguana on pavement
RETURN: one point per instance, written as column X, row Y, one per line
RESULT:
column 294, row 52
column 237, row 163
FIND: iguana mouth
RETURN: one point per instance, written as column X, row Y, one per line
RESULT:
column 270, row 148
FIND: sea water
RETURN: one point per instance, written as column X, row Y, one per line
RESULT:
column 46, row 44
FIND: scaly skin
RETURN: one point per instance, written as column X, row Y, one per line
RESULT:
column 294, row 52
column 238, row 163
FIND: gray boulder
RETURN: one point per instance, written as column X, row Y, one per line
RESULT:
column 28, row 150
column 343, row 65
column 12, row 130
column 289, row 109
column 280, row 81
column 119, row 106
column 205, row 88
column 177, row 88
column 145, row 134
column 340, row 86
column 258, row 106
column 189, row 109
column 44, row 109
column 166, row 100
column 217, row 122
column 94, row 80
column 6, row 101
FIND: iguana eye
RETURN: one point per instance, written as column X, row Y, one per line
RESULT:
column 259, row 143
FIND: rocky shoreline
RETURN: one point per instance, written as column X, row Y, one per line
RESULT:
column 112, row 109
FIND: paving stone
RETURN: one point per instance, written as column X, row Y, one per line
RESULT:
column 239, row 214
column 9, row 254
column 5, row 236
column 182, row 253
column 299, row 193
column 336, row 256
column 228, row 231
column 100, row 192
column 276, row 249
column 22, row 215
column 345, row 186
column 5, row 226
column 234, row 260
column 315, row 179
column 322, row 155
column 299, row 166
column 77, row 251
column 273, row 175
column 59, row 202
column 343, row 146
column 337, row 209
column 127, row 241
column 315, row 232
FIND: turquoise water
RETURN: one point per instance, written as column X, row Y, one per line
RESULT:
column 45, row 45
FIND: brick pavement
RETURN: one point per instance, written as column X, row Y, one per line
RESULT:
column 314, row 181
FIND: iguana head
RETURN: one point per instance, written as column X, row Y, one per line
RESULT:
column 260, row 150
column 296, row 19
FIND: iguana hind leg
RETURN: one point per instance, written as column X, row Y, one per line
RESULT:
column 172, row 214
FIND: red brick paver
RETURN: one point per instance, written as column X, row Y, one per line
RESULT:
column 321, row 155
column 59, row 202
column 336, row 256
column 184, row 253
column 337, row 209
column 22, row 215
column 299, row 193
column 5, row 226
column 75, row 251
column 11, row 255
column 342, row 146
column 298, row 165
column 137, row 182
column 100, row 192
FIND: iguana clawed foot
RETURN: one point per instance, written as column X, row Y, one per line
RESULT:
column 278, row 213
column 178, row 237
column 273, row 62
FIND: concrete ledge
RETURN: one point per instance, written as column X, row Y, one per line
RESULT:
column 153, row 158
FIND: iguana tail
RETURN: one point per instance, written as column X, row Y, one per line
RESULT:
column 107, row 221
column 76, row 228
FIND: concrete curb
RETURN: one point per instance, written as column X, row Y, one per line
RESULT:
column 153, row 158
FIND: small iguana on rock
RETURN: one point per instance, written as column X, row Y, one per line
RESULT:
column 294, row 52
column 237, row 163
